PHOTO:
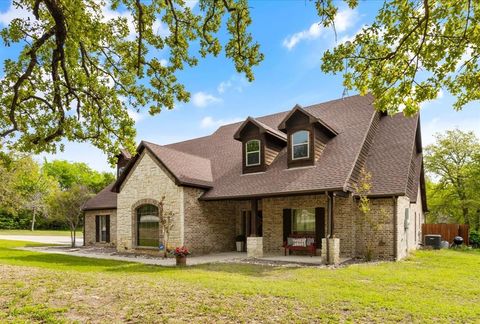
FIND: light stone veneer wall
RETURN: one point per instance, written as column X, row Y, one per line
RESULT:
column 148, row 182
column 409, row 238
column 89, row 226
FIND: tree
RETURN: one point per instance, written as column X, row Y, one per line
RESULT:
column 67, row 205
column 69, row 174
column 37, row 190
column 412, row 50
column 79, row 70
column 454, row 162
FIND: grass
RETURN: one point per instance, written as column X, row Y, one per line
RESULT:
column 39, row 232
column 431, row 286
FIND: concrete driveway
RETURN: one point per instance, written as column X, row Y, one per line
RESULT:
column 63, row 240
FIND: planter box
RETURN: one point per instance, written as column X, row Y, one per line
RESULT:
column 239, row 246
column 181, row 261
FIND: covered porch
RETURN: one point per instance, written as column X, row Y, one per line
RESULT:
column 292, row 228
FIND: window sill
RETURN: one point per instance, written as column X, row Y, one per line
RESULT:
column 146, row 248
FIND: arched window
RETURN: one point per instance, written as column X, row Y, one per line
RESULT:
column 148, row 230
column 252, row 151
column 300, row 143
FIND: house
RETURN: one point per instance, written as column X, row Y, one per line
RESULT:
column 289, row 174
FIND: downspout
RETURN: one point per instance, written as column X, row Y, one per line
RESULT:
column 329, row 224
column 395, row 228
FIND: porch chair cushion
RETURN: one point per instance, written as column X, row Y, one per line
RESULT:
column 299, row 242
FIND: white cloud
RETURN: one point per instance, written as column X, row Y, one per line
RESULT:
column 135, row 115
column 191, row 3
column 13, row 12
column 203, row 99
column 344, row 20
column 159, row 28
column 236, row 83
column 430, row 103
column 440, row 125
column 210, row 122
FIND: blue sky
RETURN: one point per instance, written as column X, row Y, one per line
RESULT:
column 293, row 44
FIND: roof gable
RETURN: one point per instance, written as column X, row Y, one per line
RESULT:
column 261, row 127
column 311, row 119
column 185, row 168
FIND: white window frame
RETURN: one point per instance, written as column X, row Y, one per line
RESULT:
column 259, row 152
column 293, row 145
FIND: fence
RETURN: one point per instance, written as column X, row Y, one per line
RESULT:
column 447, row 231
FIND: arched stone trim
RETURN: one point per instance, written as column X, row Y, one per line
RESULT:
column 133, row 214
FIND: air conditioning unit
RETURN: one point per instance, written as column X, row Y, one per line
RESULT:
column 433, row 240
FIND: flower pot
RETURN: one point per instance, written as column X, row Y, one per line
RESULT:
column 181, row 260
column 239, row 246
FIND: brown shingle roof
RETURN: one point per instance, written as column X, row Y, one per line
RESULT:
column 390, row 156
column 187, row 168
column 350, row 117
column 105, row 199
column 215, row 162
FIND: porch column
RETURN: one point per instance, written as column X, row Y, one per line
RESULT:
column 330, row 244
column 254, row 213
column 254, row 243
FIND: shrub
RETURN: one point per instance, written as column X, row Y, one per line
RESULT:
column 475, row 239
column 240, row 238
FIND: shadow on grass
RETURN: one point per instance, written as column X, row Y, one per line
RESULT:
column 10, row 254
column 250, row 270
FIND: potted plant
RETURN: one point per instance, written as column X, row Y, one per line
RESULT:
column 240, row 241
column 180, row 254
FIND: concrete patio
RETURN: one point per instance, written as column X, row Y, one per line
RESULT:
column 225, row 257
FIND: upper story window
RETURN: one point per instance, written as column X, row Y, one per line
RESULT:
column 252, row 151
column 300, row 143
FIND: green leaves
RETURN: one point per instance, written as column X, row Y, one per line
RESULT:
column 412, row 50
column 454, row 162
column 83, row 66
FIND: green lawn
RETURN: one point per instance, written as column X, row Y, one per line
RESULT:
column 431, row 286
column 39, row 232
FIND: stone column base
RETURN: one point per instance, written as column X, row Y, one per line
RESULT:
column 333, row 251
column 255, row 247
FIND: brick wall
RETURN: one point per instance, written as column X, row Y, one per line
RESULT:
column 381, row 238
column 273, row 217
column 90, row 229
column 210, row 226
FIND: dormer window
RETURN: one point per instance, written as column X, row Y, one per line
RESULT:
column 300, row 145
column 252, row 151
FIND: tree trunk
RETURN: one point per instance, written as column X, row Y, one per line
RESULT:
column 34, row 215
column 72, row 236
column 466, row 220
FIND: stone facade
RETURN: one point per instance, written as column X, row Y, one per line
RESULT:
column 147, row 183
column 409, row 227
column 89, row 226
